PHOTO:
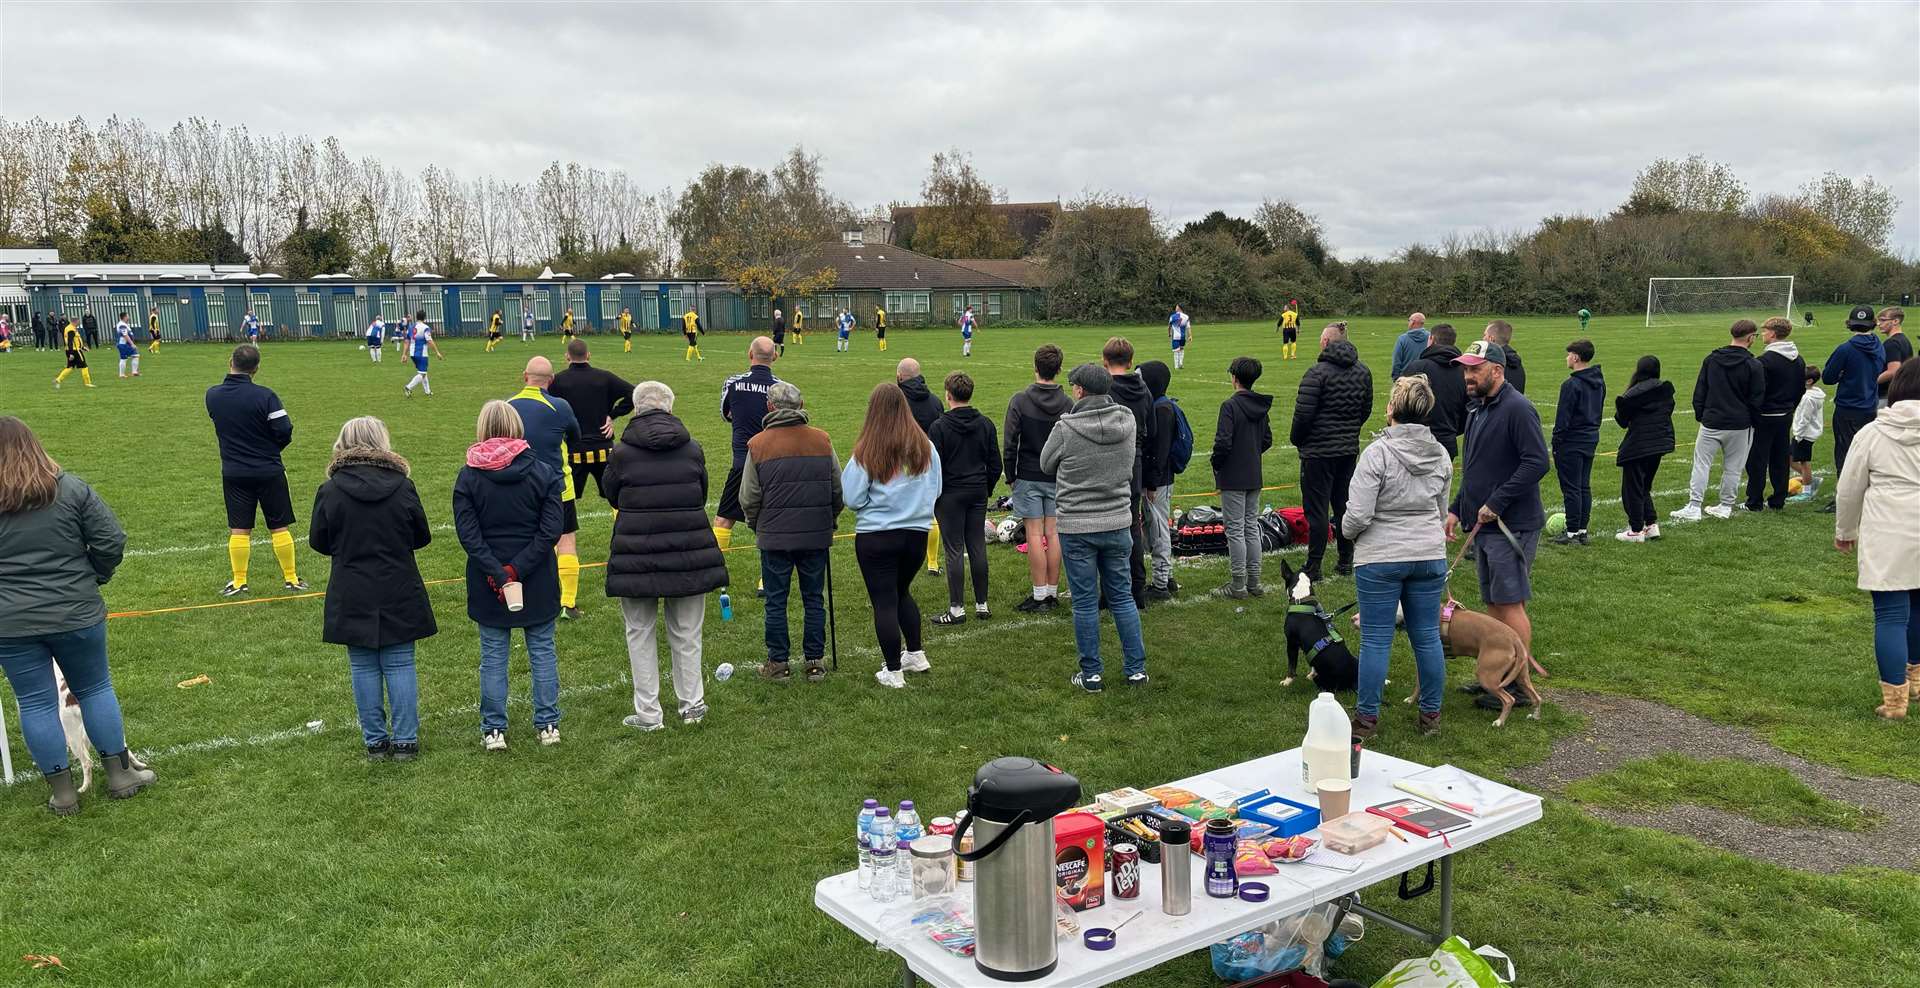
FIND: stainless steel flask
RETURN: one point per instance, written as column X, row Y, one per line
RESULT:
column 1010, row 808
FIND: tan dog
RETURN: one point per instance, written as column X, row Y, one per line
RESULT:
column 80, row 750
column 1500, row 658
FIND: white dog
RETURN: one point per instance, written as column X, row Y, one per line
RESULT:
column 80, row 752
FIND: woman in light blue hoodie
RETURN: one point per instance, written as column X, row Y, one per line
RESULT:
column 1396, row 517
column 891, row 482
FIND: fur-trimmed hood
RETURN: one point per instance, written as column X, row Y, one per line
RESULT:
column 370, row 458
column 367, row 475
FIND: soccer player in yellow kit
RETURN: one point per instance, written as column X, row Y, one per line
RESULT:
column 153, row 330
column 493, row 330
column 566, row 324
column 1289, row 332
column 799, row 325
column 76, row 345
column 694, row 332
column 626, row 329
column 880, row 326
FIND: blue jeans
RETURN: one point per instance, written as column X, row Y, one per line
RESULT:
column 1419, row 588
column 1100, row 563
column 542, row 662
column 1896, row 634
column 82, row 656
column 776, row 571
column 391, row 669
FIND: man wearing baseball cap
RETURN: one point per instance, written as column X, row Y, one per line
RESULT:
column 1505, row 459
column 1854, row 370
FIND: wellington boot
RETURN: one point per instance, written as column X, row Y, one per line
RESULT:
column 65, row 800
column 123, row 778
column 1894, row 701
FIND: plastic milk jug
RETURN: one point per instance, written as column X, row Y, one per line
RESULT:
column 1325, row 752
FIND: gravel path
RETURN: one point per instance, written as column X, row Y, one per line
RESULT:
column 1620, row 729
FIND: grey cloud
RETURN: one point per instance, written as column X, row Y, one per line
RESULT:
column 1397, row 124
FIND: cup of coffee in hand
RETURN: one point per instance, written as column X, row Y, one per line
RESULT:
column 511, row 593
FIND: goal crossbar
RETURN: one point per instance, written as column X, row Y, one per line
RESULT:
column 1762, row 294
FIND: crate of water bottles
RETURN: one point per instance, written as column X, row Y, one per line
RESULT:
column 901, row 857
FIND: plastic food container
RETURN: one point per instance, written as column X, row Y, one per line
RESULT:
column 1354, row 832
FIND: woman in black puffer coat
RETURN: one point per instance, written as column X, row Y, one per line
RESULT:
column 368, row 518
column 664, row 558
column 1645, row 410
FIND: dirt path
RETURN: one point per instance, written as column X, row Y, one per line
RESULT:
column 1620, row 730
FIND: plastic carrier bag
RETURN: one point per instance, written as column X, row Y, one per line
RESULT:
column 1304, row 941
column 1452, row 965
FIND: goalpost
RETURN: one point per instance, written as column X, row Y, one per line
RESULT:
column 1671, row 301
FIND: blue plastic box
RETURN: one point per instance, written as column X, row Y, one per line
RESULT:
column 1306, row 819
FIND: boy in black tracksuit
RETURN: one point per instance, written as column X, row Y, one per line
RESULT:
column 1576, row 435
column 1784, row 380
column 970, row 466
column 1726, row 400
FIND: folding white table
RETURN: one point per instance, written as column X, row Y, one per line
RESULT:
column 1155, row 937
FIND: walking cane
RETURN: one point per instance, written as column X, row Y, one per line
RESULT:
column 833, row 635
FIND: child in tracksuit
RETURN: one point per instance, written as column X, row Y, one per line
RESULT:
column 1576, row 436
column 1806, row 429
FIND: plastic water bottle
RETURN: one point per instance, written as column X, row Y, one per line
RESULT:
column 906, row 829
column 726, row 606
column 863, row 840
column 723, row 672
column 885, row 848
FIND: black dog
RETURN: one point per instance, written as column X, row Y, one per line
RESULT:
column 1330, row 664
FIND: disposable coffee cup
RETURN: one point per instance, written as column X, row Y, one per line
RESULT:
column 512, row 594
column 1336, row 799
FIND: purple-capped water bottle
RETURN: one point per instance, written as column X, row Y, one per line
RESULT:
column 863, row 840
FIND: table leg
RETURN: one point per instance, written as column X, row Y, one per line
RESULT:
column 907, row 980
column 1351, row 903
column 1446, row 898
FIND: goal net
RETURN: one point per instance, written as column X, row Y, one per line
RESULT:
column 1679, row 301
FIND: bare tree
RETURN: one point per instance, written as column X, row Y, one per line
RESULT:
column 1863, row 207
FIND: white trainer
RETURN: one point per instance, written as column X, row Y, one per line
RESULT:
column 1628, row 535
column 550, row 734
column 914, row 662
column 494, row 741
column 1720, row 511
column 1689, row 513
column 891, row 678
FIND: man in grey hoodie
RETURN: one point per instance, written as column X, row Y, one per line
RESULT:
column 1091, row 455
column 1783, row 375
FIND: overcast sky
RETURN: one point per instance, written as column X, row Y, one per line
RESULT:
column 1396, row 124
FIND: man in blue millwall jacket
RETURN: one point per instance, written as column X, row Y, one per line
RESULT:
column 743, row 403
column 252, row 428
column 1500, row 486
column 1853, row 369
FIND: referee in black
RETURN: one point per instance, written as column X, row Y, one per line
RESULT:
column 252, row 428
column 598, row 398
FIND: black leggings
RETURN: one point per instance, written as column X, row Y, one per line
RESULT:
column 1636, row 491
column 963, row 525
column 888, row 563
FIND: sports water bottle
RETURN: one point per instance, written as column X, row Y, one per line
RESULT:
column 885, row 847
column 863, row 840
column 726, row 606
column 906, row 829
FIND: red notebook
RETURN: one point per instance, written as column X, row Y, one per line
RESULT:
column 1419, row 818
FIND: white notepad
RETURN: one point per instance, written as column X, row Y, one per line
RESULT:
column 1457, row 789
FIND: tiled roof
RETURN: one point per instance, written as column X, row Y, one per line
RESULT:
column 884, row 267
column 1020, row 271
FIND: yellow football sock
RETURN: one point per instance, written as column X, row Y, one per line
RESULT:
column 62, row 375
column 569, row 579
column 689, row 354
column 629, row 347
column 883, row 344
column 86, row 377
column 933, row 548
column 724, row 536
column 239, row 551
column 283, row 551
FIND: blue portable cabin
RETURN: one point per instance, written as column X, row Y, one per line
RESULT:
column 211, row 308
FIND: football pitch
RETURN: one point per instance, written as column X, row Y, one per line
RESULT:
column 271, row 852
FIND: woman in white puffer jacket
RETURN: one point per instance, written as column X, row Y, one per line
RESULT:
column 1879, row 513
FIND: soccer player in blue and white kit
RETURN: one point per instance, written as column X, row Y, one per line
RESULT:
column 845, row 323
column 123, row 340
column 376, row 338
column 1179, row 331
column 250, row 323
column 966, row 332
column 419, row 339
